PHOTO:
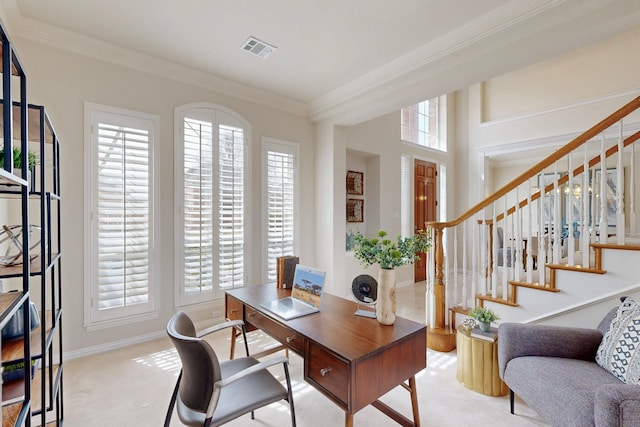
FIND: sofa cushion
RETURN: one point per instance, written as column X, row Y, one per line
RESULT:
column 561, row 390
column 619, row 351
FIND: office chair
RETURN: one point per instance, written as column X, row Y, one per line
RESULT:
column 209, row 392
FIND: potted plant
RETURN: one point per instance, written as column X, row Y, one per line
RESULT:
column 484, row 316
column 388, row 254
column 32, row 161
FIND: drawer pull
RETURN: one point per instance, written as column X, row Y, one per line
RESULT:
column 250, row 314
column 289, row 339
column 233, row 310
column 324, row 371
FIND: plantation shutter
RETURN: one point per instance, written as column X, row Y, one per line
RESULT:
column 406, row 178
column 280, row 195
column 198, row 261
column 231, row 207
column 123, row 207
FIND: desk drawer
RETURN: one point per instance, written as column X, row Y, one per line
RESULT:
column 234, row 308
column 329, row 372
column 286, row 336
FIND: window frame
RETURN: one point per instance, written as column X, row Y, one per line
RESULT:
column 441, row 123
column 272, row 144
column 181, row 298
column 94, row 317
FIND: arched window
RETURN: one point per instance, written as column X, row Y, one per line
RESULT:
column 212, row 176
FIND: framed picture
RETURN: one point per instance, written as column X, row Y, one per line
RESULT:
column 355, row 210
column 355, row 183
column 548, row 200
column 611, row 192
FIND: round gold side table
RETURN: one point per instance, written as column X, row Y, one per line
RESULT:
column 478, row 364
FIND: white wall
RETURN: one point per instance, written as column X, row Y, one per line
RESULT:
column 565, row 94
column 62, row 82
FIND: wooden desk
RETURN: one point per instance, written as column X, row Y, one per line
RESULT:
column 350, row 359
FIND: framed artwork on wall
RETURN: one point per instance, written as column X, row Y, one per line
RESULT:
column 355, row 210
column 610, row 196
column 355, row 183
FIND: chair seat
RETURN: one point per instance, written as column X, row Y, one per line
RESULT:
column 234, row 399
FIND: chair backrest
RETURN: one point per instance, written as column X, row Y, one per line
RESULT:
column 200, row 365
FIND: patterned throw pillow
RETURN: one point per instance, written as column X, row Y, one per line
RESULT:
column 619, row 351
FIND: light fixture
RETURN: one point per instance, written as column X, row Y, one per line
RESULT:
column 258, row 47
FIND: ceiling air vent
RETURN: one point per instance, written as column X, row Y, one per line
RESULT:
column 258, row 47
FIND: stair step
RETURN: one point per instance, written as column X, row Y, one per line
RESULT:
column 575, row 268
column 616, row 246
column 458, row 309
column 544, row 287
column 497, row 300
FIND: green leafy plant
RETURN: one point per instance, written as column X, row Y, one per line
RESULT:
column 387, row 253
column 32, row 159
column 484, row 315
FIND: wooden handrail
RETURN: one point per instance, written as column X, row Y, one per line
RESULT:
column 439, row 336
column 539, row 167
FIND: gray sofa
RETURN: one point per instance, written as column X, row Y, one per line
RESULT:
column 553, row 370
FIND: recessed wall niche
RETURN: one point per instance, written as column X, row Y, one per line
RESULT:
column 362, row 190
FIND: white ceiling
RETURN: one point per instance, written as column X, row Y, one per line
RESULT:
column 347, row 60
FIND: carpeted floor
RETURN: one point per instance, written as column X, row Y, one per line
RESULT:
column 132, row 387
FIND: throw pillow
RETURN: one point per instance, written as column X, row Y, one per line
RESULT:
column 619, row 351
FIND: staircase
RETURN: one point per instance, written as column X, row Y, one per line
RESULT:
column 551, row 242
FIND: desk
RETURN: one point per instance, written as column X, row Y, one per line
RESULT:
column 352, row 360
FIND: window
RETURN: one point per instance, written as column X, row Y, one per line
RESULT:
column 423, row 124
column 119, row 211
column 211, row 179
column 280, row 199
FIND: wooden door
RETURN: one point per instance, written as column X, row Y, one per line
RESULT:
column 424, row 195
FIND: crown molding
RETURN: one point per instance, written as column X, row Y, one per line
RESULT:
column 483, row 27
column 59, row 38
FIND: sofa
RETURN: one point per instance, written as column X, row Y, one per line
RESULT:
column 571, row 376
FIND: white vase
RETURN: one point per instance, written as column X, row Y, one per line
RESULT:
column 386, row 304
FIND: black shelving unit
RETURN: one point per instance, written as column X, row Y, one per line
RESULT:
column 39, row 399
column 16, row 412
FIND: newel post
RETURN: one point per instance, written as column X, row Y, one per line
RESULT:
column 440, row 336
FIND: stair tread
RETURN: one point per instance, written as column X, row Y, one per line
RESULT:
column 497, row 300
column 535, row 285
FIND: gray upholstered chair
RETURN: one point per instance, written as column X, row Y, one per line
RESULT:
column 209, row 392
column 553, row 369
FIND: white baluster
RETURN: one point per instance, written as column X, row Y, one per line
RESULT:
column 632, row 190
column 494, row 251
column 570, row 219
column 464, row 261
column 620, row 220
column 556, row 218
column 517, row 221
column 603, row 192
column 529, row 234
column 474, row 260
column 507, row 252
column 542, row 238
column 586, row 194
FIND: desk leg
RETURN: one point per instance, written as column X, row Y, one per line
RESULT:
column 414, row 401
column 234, row 335
column 348, row 420
column 395, row 415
